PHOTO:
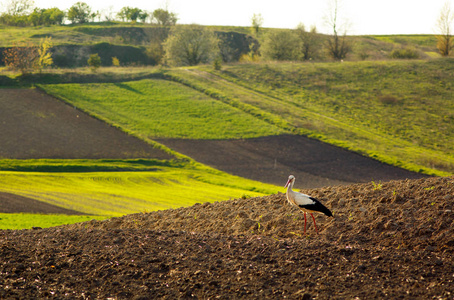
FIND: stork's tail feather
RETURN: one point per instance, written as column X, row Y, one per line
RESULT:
column 318, row 206
column 327, row 212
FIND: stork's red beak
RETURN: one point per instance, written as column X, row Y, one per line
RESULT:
column 288, row 182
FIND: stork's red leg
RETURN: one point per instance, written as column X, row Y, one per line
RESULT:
column 314, row 223
column 305, row 223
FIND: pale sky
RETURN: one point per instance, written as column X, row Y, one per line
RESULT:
column 364, row 16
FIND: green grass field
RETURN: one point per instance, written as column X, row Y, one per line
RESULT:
column 119, row 193
column 162, row 109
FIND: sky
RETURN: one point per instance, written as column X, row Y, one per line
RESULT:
column 363, row 16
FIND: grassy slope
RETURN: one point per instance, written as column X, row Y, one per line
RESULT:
column 374, row 47
column 401, row 112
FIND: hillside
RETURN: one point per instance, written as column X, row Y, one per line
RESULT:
column 393, row 240
column 140, row 44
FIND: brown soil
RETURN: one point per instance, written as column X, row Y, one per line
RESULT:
column 384, row 242
column 11, row 203
column 272, row 159
column 36, row 125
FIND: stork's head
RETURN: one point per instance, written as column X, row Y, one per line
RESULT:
column 291, row 178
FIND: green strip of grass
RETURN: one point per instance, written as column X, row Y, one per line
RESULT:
column 119, row 193
column 28, row 221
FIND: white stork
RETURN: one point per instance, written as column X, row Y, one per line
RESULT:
column 305, row 202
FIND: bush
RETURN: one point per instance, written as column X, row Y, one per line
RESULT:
column 281, row 45
column 115, row 62
column 191, row 45
column 94, row 62
column 404, row 53
column 217, row 63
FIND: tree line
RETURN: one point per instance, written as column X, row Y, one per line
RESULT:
column 23, row 13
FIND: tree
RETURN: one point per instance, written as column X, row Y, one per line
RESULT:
column 257, row 22
column 115, row 61
column 338, row 45
column 191, row 45
column 108, row 13
column 310, row 41
column 130, row 13
column 79, row 13
column 51, row 16
column 164, row 17
column 21, row 57
column 143, row 16
column 281, row 45
column 445, row 41
column 94, row 61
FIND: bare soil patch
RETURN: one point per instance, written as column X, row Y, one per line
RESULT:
column 11, row 203
column 36, row 125
column 272, row 159
column 388, row 242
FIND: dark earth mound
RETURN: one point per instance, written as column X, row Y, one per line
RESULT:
column 386, row 241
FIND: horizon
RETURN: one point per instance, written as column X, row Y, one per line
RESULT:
column 405, row 17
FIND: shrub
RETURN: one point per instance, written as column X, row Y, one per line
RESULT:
column 94, row 62
column 404, row 53
column 115, row 62
column 281, row 45
column 217, row 63
column 191, row 45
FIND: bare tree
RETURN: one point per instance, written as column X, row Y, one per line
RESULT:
column 338, row 45
column 445, row 42
column 19, row 7
column 257, row 22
